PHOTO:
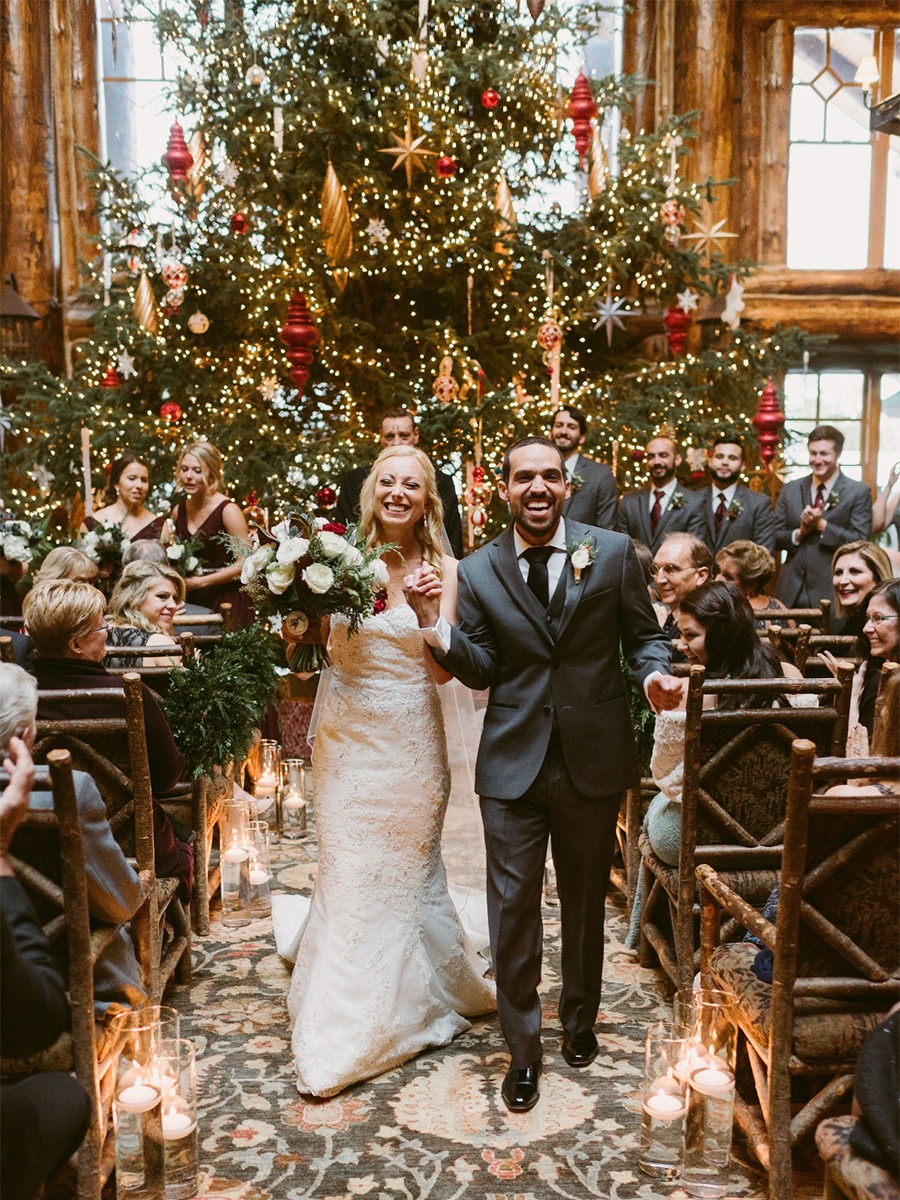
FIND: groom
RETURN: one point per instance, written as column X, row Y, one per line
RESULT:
column 542, row 612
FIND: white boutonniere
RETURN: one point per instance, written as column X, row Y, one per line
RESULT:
column 576, row 482
column 735, row 508
column 833, row 501
column 581, row 555
column 677, row 500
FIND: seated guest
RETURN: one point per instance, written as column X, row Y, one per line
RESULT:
column 65, row 621
column 145, row 550
column 717, row 629
column 129, row 483
column 67, row 562
column 750, row 569
column 879, row 643
column 142, row 611
column 43, row 1118
column 855, row 570
column 114, row 890
column 876, row 1083
column 681, row 564
column 645, row 558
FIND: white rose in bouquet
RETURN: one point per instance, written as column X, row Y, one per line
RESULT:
column 379, row 572
column 333, row 545
column 318, row 578
column 256, row 562
column 351, row 556
column 192, row 563
column 292, row 549
column 174, row 553
column 279, row 577
column 15, row 549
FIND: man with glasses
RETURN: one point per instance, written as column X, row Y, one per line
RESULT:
column 681, row 564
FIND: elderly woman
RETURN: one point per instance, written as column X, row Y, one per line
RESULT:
column 750, row 568
column 66, row 623
column 142, row 611
column 114, row 890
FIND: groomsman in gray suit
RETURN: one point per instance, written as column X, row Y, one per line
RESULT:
column 592, row 485
column 733, row 512
column 664, row 507
column 814, row 516
column 543, row 610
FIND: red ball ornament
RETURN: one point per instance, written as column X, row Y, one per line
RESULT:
column 326, row 497
column 177, row 159
column 490, row 98
column 171, row 412
column 110, row 379
column 582, row 110
column 638, row 454
column 768, row 422
column 299, row 335
column 478, row 474
column 239, row 223
column 445, row 167
column 677, row 323
column 549, row 335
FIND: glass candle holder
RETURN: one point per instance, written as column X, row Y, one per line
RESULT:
column 259, row 870
column 234, row 859
column 141, row 1079
column 665, row 1102
column 179, row 1118
column 711, row 1077
column 293, row 799
column 268, row 778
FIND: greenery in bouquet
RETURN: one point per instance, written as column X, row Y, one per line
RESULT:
column 105, row 544
column 185, row 555
column 215, row 703
column 308, row 569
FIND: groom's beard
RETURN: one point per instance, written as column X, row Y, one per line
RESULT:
column 537, row 523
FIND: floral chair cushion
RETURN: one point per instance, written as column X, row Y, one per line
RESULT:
column 856, row 1176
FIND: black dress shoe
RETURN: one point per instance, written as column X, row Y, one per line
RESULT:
column 520, row 1090
column 580, row 1049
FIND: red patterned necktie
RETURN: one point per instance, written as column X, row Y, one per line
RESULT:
column 820, row 497
column 656, row 511
column 720, row 513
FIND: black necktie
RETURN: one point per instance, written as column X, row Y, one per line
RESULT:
column 537, row 558
column 720, row 513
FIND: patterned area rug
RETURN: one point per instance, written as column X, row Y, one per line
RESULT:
column 434, row 1128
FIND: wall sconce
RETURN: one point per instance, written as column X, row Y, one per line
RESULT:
column 867, row 76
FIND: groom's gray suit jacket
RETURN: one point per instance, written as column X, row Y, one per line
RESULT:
column 560, row 666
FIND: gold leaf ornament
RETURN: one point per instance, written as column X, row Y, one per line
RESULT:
column 196, row 176
column 505, row 225
column 598, row 176
column 336, row 225
column 145, row 305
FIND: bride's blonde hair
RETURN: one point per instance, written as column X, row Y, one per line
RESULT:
column 429, row 529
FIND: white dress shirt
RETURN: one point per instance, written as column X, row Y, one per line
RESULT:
column 668, row 491
column 728, row 493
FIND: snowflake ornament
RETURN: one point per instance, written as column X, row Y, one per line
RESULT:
column 268, row 387
column 125, row 365
column 377, row 231
column 229, row 175
column 688, row 300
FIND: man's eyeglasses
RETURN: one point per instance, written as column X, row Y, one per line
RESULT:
column 670, row 571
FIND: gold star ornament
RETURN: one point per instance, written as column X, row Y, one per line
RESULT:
column 709, row 237
column 409, row 153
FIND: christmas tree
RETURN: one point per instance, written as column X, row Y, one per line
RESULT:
column 361, row 216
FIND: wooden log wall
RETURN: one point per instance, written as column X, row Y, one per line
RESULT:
column 48, row 101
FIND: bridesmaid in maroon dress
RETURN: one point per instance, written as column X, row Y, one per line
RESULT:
column 206, row 513
column 129, row 483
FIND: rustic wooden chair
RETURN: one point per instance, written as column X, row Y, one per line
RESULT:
column 836, row 946
column 6, row 650
column 113, row 751
column 816, row 618
column 87, row 1048
column 789, row 644
column 846, row 1172
column 736, row 767
column 14, row 623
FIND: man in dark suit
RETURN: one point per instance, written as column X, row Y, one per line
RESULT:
column 731, row 511
column 814, row 516
column 592, row 485
column 543, row 610
column 665, row 507
column 398, row 428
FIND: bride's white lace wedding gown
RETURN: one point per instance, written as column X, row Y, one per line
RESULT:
column 383, row 969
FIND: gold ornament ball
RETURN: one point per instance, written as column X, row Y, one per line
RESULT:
column 255, row 76
column 198, row 322
column 445, row 388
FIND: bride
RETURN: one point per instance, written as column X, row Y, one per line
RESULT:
column 383, row 969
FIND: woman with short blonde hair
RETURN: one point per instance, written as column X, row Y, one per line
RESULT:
column 64, row 619
column 67, row 562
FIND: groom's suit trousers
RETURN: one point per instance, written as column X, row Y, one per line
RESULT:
column 581, row 831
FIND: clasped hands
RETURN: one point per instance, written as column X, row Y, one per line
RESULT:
column 811, row 519
column 422, row 592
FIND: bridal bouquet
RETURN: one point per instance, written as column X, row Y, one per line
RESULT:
column 184, row 555
column 307, row 569
column 105, row 544
column 20, row 541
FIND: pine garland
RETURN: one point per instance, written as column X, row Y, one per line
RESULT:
column 215, row 703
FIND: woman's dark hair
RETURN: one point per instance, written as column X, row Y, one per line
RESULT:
column 890, row 590
column 115, row 474
column 734, row 649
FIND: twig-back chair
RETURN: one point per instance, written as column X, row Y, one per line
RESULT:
column 836, row 946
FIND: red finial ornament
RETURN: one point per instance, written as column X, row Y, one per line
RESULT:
column 110, row 379
column 677, row 323
column 177, row 159
column 299, row 335
column 582, row 110
column 768, row 422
